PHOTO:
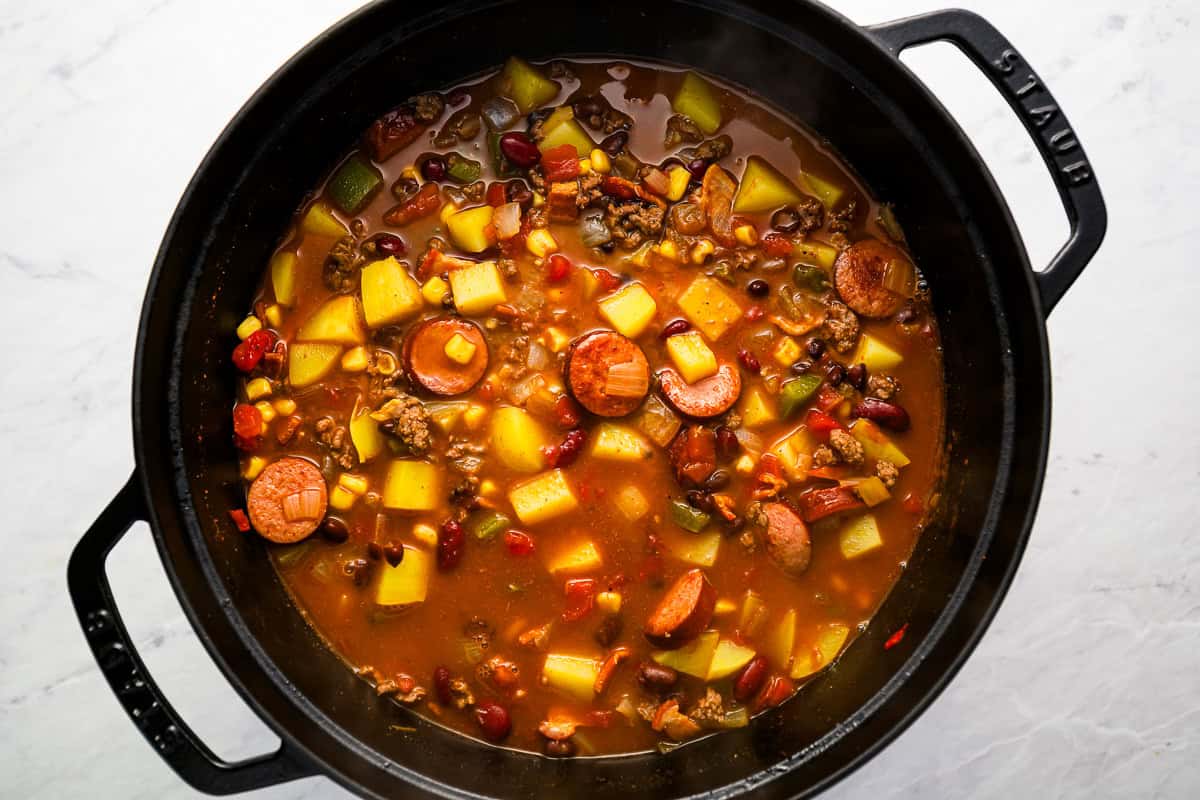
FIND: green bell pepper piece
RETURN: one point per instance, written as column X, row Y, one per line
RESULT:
column 353, row 184
column 688, row 518
column 795, row 393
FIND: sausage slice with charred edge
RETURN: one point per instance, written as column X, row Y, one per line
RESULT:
column 588, row 363
column 685, row 611
column 858, row 277
column 788, row 542
column 426, row 362
column 705, row 398
column 288, row 500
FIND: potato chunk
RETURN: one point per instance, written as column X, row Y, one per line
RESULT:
column 517, row 439
column 709, row 307
column 619, row 443
column 575, row 675
column 763, row 188
column 477, row 289
column 389, row 293
column 412, row 486
column 405, row 584
column 337, row 321
column 630, row 309
column 543, row 497
column 691, row 356
column 310, row 362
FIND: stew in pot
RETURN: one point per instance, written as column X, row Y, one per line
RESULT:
column 589, row 406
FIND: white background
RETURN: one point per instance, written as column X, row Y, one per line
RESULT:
column 1088, row 683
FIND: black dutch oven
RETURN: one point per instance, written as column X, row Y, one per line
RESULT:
column 843, row 81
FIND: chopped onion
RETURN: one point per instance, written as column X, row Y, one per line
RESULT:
column 900, row 276
column 542, row 403
column 499, row 113
column 629, row 379
column 658, row 421
column 737, row 718
column 627, row 709
column 538, row 358
column 524, row 389
column 750, row 441
column 592, row 230
column 302, row 505
column 506, row 219
column 657, row 181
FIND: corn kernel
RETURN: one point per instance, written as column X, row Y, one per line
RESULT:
column 540, row 242
column 285, row 406
column 746, row 234
column 342, row 498
column 744, row 465
column 786, row 352
column 488, row 487
column 274, row 315
column 680, row 178
column 703, row 249
column 355, row 360
column 257, row 389
column 435, row 290
column 609, row 602
column 266, row 410
column 539, row 200
column 667, row 249
column 410, row 172
column 249, row 325
column 254, row 466
column 354, row 483
column 385, row 363
column 600, row 161
column 448, row 210
column 459, row 349
column 474, row 416
column 425, row 534
column 556, row 339
column 585, row 166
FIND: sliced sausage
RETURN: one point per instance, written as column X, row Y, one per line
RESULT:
column 590, row 358
column 716, row 198
column 858, row 277
column 788, row 542
column 288, row 500
column 685, row 611
column 693, row 454
column 426, row 362
column 709, row 397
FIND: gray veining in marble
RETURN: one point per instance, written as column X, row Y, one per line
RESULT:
column 1088, row 683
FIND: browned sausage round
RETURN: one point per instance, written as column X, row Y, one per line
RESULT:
column 788, row 542
column 704, row 398
column 858, row 277
column 287, row 501
column 685, row 611
column 590, row 358
column 426, row 361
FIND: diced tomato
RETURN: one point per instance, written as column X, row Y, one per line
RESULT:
column 896, row 637
column 828, row 397
column 240, row 520
column 581, row 596
column 769, row 463
column 518, row 543
column 820, row 503
column 426, row 201
column 776, row 244
column 250, row 352
column 495, row 194
column 619, row 188
column 559, row 268
column 561, row 163
column 247, row 420
column 820, row 423
column 754, row 313
column 912, row 503
column 608, row 281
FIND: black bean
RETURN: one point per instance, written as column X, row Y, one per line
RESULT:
column 758, row 287
column 835, row 373
column 374, row 551
column 785, row 220
column 906, row 315
column 608, row 631
column 433, row 168
column 717, row 481
column 699, row 500
column 335, row 530
column 857, row 375
column 815, row 348
column 616, row 143
column 394, row 553
column 588, row 107
column 697, row 166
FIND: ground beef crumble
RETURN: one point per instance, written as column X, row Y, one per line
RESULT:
column 337, row 439
column 632, row 222
column 709, row 710
column 884, row 387
column 847, row 447
column 840, row 326
column 406, row 419
column 887, row 472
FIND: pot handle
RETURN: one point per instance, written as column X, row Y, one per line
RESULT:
column 136, row 691
column 1042, row 117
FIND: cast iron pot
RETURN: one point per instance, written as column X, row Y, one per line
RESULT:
column 843, row 81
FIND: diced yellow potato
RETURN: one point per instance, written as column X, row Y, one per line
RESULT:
column 474, row 415
column 609, row 602
column 310, row 362
column 556, row 339
column 859, row 536
column 876, row 444
column 517, row 439
column 728, row 658
column 266, row 410
column 543, row 497
column 680, row 178
column 459, row 349
column 786, row 352
column 320, row 221
column 435, row 290
column 477, row 288
column 780, row 640
column 258, row 389
column 412, row 486
column 354, row 483
column 249, row 325
column 794, row 452
column 763, row 188
column 389, row 293
column 754, row 613
column 758, row 408
column 405, row 584
column 816, row 254
column 876, row 355
column 447, row 414
column 872, row 491
column 630, row 309
column 700, row 549
column 337, row 321
column 541, row 242
column 355, row 360
column 745, row 464
column 274, row 315
column 578, row 558
column 447, row 211
column 696, row 101
column 631, row 503
column 724, row 607
column 425, row 534
column 694, row 658
column 525, row 85
column 468, row 229
column 342, row 498
column 619, row 443
column 828, row 193
column 562, row 128
column 746, row 234
column 709, row 307
column 693, row 358
column 830, row 641
column 283, row 277
column 574, row 675
column 253, row 467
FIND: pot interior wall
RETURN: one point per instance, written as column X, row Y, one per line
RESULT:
column 295, row 131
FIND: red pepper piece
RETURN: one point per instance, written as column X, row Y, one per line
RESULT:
column 896, row 638
column 820, row 423
column 247, row 421
column 496, row 194
column 581, row 596
column 250, row 352
column 619, row 188
column 426, row 201
column 240, row 520
column 820, row 503
column 518, row 543
column 776, row 244
column 608, row 281
column 561, row 163
column 559, row 268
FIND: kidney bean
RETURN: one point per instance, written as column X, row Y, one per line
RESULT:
column 518, row 148
column 433, row 168
column 673, row 327
column 655, row 677
column 614, row 144
column 515, row 191
column 758, row 287
column 889, row 415
column 836, row 373
column 394, row 553
column 493, row 719
column 749, row 361
column 450, row 544
column 751, row 679
column 815, row 348
column 519, row 543
column 441, row 685
column 608, row 631
column 778, row 689
column 697, row 166
column 857, row 375
column 389, row 244
column 717, row 481
column 727, row 443
column 335, row 530
column 570, row 448
column 785, row 220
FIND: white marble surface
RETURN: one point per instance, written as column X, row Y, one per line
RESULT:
column 1088, row 683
